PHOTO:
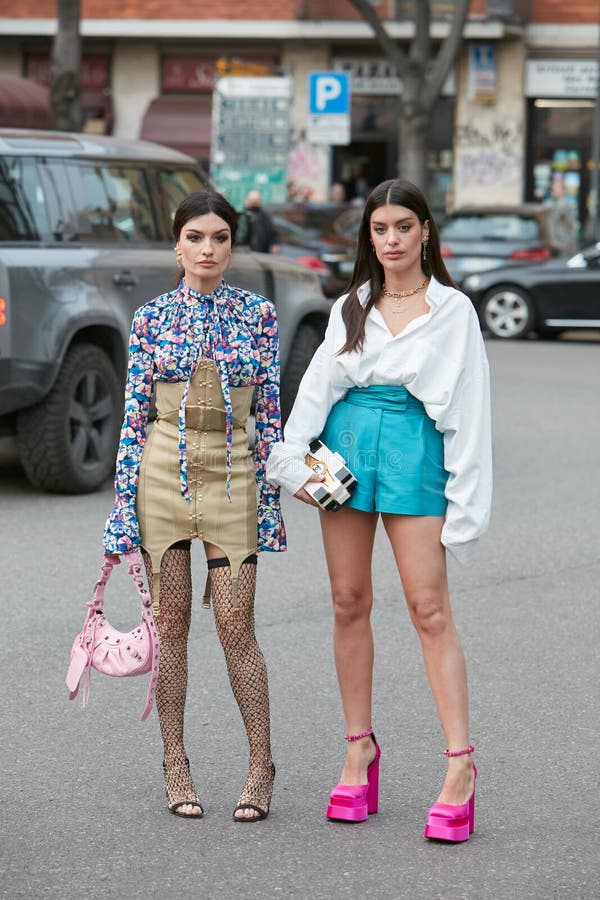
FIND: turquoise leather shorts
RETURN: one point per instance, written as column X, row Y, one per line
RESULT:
column 392, row 447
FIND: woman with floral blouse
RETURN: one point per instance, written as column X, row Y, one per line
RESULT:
column 204, row 347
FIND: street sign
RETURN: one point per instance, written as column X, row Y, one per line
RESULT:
column 250, row 137
column 334, row 129
column 482, row 73
column 329, row 105
column 328, row 92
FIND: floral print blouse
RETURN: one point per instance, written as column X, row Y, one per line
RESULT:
column 169, row 335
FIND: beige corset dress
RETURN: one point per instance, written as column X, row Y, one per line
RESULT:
column 164, row 516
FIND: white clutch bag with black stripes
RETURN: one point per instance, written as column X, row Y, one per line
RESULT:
column 338, row 483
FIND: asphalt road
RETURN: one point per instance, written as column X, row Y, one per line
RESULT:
column 83, row 809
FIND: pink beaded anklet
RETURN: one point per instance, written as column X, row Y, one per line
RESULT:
column 469, row 749
column 357, row 737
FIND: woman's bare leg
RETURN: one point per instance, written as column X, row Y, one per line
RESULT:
column 421, row 561
column 348, row 536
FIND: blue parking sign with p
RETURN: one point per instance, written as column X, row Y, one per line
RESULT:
column 328, row 93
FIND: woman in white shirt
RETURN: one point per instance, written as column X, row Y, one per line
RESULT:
column 400, row 388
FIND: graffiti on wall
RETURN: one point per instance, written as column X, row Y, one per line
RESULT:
column 489, row 158
column 308, row 167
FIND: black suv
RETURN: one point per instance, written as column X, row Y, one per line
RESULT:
column 85, row 239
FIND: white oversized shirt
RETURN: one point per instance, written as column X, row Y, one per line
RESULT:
column 440, row 358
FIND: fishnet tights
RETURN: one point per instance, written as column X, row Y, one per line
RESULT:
column 247, row 675
column 173, row 624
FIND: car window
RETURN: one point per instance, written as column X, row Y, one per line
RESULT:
column 23, row 212
column 175, row 185
column 113, row 204
column 327, row 219
column 130, row 202
column 497, row 227
column 348, row 222
column 319, row 217
column 292, row 232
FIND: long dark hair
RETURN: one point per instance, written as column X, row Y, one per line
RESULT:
column 398, row 192
column 199, row 204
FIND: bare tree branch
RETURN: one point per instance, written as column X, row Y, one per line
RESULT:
column 447, row 53
column 389, row 46
column 422, row 76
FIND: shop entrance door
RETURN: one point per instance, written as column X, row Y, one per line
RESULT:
column 360, row 166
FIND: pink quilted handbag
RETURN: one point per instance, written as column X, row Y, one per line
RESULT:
column 102, row 647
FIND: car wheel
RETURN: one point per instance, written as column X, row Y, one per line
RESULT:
column 306, row 340
column 68, row 441
column 506, row 312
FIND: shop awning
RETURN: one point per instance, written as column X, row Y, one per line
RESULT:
column 182, row 123
column 23, row 103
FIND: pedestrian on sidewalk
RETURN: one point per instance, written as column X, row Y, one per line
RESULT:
column 400, row 388
column 263, row 235
column 204, row 347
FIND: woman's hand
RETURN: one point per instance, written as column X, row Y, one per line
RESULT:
column 303, row 494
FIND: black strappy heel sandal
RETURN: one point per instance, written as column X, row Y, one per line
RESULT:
column 175, row 806
column 261, row 813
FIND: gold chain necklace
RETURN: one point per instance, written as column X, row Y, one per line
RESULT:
column 400, row 295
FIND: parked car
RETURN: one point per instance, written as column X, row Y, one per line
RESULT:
column 479, row 238
column 329, row 222
column 547, row 298
column 332, row 262
column 85, row 239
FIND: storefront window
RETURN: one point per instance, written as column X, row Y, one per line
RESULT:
column 559, row 154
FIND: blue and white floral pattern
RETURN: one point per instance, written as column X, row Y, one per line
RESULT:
column 169, row 335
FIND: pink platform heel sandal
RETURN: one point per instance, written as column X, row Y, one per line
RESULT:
column 356, row 802
column 447, row 822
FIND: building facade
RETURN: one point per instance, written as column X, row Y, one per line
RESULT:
column 514, row 122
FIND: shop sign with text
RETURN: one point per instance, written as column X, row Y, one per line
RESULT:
column 573, row 78
column 374, row 75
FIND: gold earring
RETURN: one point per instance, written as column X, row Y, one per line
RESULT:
column 425, row 249
column 178, row 255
